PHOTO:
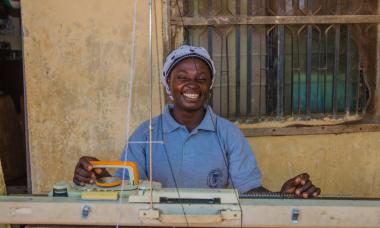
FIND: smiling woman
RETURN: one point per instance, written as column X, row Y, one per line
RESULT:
column 199, row 149
column 190, row 83
column 188, row 75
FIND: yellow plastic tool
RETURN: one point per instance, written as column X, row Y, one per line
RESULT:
column 115, row 181
column 108, row 181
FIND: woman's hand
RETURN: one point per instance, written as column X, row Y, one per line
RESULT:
column 301, row 185
column 85, row 173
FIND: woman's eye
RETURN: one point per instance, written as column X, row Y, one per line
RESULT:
column 201, row 80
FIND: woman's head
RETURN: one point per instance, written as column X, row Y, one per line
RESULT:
column 180, row 54
column 189, row 83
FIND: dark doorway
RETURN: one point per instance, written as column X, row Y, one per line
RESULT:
column 12, row 114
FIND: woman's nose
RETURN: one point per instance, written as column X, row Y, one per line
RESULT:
column 192, row 83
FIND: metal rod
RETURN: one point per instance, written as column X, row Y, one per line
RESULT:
column 209, row 7
column 237, row 66
column 280, row 70
column 325, row 70
column 249, row 62
column 292, row 73
column 228, row 79
column 318, row 108
column 298, row 74
column 260, row 83
column 276, row 20
column 151, row 105
column 336, row 69
column 268, row 70
column 358, row 87
column 250, row 7
column 187, row 37
column 364, row 96
column 237, row 71
column 348, row 79
column 249, row 71
column 309, row 52
column 210, row 51
column 221, row 77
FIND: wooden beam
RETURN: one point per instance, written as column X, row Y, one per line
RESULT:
column 310, row 130
column 264, row 20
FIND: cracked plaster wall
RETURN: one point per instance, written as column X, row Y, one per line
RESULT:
column 341, row 164
column 77, row 70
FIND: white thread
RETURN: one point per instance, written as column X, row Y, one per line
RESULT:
column 131, row 79
column 151, row 106
column 143, row 142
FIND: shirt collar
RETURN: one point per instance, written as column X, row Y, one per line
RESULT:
column 170, row 124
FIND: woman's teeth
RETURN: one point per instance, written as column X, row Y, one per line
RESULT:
column 191, row 95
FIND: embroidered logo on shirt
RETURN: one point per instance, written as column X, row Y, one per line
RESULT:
column 214, row 178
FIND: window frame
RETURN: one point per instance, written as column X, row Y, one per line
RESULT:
column 370, row 122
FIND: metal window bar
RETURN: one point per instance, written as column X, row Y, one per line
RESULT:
column 228, row 80
column 270, row 66
column 321, row 76
column 320, row 68
column 279, row 82
column 292, row 73
column 348, row 79
column 237, row 64
column 237, row 70
column 358, row 88
column 261, row 79
column 210, row 51
column 325, row 72
column 249, row 60
column 298, row 69
column 221, row 90
column 305, row 80
column 308, row 67
column 336, row 70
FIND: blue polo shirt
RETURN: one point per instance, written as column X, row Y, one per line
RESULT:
column 213, row 155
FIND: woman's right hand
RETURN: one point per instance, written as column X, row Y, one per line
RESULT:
column 85, row 173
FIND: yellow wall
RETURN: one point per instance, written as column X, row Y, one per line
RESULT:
column 77, row 64
column 344, row 164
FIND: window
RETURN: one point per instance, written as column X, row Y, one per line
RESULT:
column 284, row 59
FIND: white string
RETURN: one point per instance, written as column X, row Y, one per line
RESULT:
column 128, row 117
column 151, row 106
column 143, row 142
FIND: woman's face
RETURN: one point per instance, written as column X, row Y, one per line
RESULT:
column 190, row 82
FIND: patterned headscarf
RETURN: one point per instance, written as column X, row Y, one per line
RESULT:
column 181, row 53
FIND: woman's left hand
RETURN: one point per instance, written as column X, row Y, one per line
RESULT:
column 301, row 185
